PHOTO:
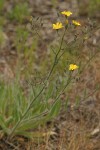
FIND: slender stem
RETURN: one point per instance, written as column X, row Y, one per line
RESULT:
column 56, row 57
column 28, row 108
column 93, row 92
column 70, row 79
column 68, row 82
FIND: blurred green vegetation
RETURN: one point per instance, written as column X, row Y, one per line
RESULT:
column 94, row 7
column 2, row 37
column 26, row 47
column 19, row 12
column 1, row 5
column 89, row 7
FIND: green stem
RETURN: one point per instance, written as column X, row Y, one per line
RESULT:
column 70, row 79
column 30, row 105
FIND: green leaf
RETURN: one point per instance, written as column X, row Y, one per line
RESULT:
column 77, row 102
column 55, row 109
column 8, row 121
column 26, row 134
column 31, row 124
column 3, row 125
column 49, row 92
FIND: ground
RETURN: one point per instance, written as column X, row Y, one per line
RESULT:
column 76, row 127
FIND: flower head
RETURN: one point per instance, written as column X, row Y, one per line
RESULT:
column 66, row 13
column 57, row 26
column 76, row 23
column 73, row 67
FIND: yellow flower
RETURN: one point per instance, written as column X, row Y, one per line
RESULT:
column 76, row 23
column 73, row 67
column 66, row 13
column 57, row 26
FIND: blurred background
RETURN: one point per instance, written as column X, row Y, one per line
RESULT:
column 26, row 34
column 26, row 37
column 15, row 26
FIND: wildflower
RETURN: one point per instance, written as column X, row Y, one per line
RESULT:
column 73, row 67
column 57, row 26
column 66, row 13
column 76, row 23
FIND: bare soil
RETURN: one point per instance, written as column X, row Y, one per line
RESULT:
column 76, row 128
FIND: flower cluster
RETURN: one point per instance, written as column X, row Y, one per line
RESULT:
column 59, row 25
